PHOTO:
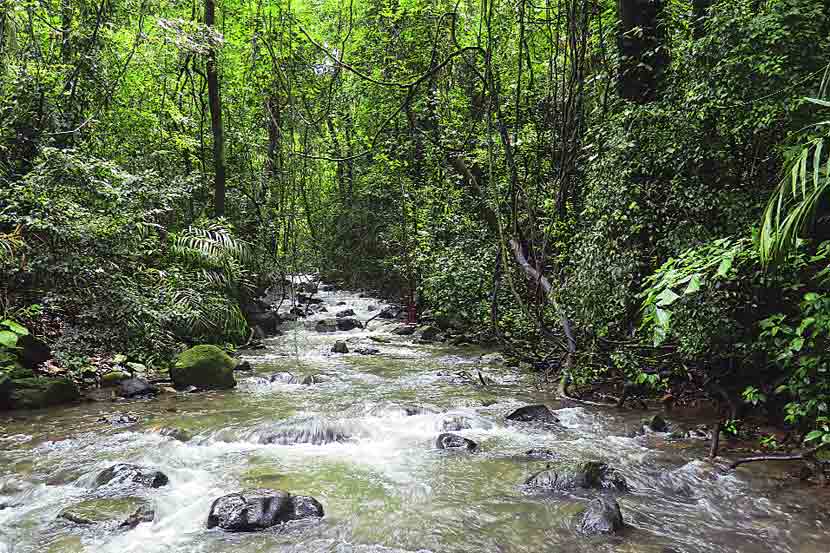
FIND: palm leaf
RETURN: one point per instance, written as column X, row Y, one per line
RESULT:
column 792, row 209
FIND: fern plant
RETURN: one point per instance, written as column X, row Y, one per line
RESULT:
column 794, row 206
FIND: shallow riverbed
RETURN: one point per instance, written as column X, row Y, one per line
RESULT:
column 385, row 487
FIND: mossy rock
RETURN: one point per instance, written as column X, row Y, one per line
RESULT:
column 204, row 366
column 112, row 379
column 37, row 393
column 104, row 510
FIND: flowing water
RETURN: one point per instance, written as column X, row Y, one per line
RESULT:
column 363, row 443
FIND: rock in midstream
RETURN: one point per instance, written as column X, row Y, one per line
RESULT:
column 589, row 475
column 249, row 511
column 603, row 516
column 454, row 441
column 127, row 475
column 533, row 413
column 121, row 511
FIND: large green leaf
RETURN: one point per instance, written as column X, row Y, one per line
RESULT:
column 15, row 327
column 8, row 339
column 666, row 298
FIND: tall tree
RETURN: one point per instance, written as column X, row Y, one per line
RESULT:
column 215, row 102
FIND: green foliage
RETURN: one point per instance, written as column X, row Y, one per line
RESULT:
column 799, row 343
column 799, row 202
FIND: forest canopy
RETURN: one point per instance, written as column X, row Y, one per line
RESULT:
column 632, row 189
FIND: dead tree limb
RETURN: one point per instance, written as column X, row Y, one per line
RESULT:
column 805, row 456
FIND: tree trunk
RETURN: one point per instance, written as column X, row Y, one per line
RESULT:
column 700, row 10
column 643, row 54
column 215, row 103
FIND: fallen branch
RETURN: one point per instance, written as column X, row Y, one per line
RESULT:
column 806, row 456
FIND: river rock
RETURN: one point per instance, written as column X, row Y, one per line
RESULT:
column 326, row 325
column 603, row 516
column 367, row 351
column 533, row 413
column 249, row 511
column 284, row 378
column 205, row 366
column 540, row 453
column 429, row 334
column 327, row 288
column 179, row 434
column 590, row 475
column 388, row 312
column 312, row 379
column 122, row 511
column 34, row 392
column 340, row 347
column 119, row 419
column 454, row 441
column 404, row 330
column 127, row 475
column 32, row 351
column 656, row 424
column 372, row 307
column 260, row 314
column 345, row 313
column 348, row 323
column 113, row 378
column 297, row 312
column 136, row 387
column 244, row 366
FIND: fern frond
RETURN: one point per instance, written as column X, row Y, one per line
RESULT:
column 793, row 206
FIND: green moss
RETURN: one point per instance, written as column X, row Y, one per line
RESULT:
column 97, row 511
column 113, row 378
column 37, row 393
column 204, row 366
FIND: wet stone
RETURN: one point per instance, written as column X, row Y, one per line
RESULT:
column 284, row 378
column 454, row 441
column 348, row 323
column 119, row 419
column 603, row 516
column 136, row 387
column 127, row 511
column 340, row 347
column 590, row 475
column 345, row 313
column 540, row 453
column 250, row 511
column 126, row 475
column 533, row 413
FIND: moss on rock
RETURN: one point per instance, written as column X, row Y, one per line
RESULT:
column 37, row 393
column 113, row 378
column 204, row 366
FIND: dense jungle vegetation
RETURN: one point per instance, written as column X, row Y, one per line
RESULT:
column 632, row 189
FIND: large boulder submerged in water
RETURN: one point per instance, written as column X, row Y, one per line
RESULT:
column 249, row 511
column 590, row 475
column 125, row 512
column 204, row 366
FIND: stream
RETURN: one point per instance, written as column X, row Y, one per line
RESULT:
column 367, row 452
